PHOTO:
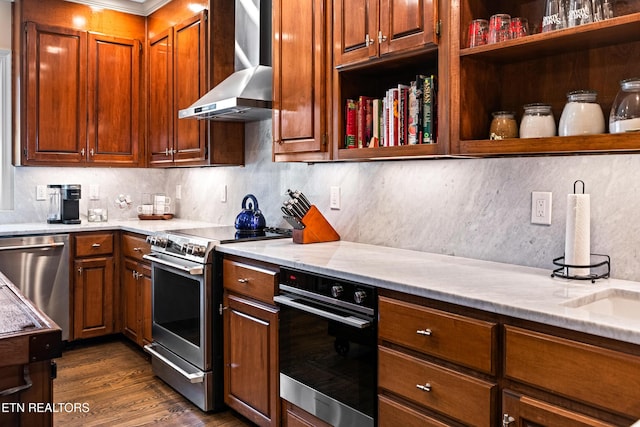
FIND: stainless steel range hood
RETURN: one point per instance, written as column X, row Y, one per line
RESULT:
column 246, row 95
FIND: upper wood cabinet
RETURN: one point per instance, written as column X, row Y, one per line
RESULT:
column 78, row 85
column 301, row 82
column 366, row 29
column 542, row 67
column 185, row 60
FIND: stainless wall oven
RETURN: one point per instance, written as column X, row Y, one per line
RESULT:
column 328, row 356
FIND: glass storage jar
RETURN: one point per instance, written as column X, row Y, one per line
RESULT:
column 625, row 111
column 537, row 121
column 581, row 115
column 503, row 125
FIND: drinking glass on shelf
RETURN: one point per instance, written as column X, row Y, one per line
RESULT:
column 580, row 12
column 607, row 9
column 499, row 28
column 519, row 27
column 478, row 32
column 597, row 11
column 555, row 17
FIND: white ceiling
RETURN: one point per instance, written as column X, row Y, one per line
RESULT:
column 137, row 7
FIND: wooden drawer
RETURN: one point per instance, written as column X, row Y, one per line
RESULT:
column 94, row 244
column 393, row 414
column 459, row 396
column 251, row 281
column 459, row 339
column 135, row 246
column 594, row 375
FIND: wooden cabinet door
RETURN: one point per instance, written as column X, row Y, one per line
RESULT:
column 250, row 359
column 189, row 84
column 300, row 78
column 93, row 309
column 130, row 300
column 160, row 111
column 55, row 100
column 113, row 100
column 523, row 411
column 355, row 29
column 145, row 307
column 406, row 24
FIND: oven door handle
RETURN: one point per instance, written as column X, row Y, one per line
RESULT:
column 193, row 270
column 353, row 321
column 193, row 378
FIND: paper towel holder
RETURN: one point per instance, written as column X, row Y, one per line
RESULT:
column 604, row 265
column 576, row 183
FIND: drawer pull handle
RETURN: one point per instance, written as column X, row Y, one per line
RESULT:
column 243, row 280
column 137, row 249
column 96, row 245
column 426, row 387
column 425, row 332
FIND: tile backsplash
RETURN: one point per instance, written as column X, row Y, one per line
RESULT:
column 477, row 208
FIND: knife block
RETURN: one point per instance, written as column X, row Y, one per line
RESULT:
column 316, row 229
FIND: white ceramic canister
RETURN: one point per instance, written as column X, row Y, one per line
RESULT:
column 537, row 121
column 581, row 115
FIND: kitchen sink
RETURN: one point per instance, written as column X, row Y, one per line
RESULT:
column 611, row 302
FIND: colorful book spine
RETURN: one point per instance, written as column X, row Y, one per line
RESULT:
column 426, row 110
column 414, row 110
column 350, row 124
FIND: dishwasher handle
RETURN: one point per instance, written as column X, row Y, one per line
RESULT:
column 33, row 246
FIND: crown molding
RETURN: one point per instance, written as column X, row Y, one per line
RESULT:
column 136, row 7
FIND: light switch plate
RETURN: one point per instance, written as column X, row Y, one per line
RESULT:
column 334, row 201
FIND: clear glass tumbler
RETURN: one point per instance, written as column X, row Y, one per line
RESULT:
column 555, row 16
column 580, row 12
column 499, row 28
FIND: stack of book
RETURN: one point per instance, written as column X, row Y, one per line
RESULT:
column 406, row 115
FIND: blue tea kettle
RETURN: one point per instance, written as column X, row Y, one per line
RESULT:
column 250, row 219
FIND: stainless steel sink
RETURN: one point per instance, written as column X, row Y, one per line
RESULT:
column 614, row 302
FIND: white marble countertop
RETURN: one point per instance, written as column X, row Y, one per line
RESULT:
column 517, row 291
column 133, row 225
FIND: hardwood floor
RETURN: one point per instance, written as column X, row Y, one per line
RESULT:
column 114, row 381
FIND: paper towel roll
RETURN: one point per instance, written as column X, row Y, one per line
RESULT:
column 577, row 246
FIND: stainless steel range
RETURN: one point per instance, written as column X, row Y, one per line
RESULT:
column 187, row 312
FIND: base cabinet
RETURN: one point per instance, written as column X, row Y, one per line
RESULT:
column 293, row 416
column 135, row 284
column 250, row 332
column 93, row 275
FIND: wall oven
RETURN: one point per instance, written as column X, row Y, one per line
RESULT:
column 328, row 356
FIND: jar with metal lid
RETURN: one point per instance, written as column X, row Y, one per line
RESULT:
column 581, row 115
column 537, row 121
column 503, row 125
column 625, row 111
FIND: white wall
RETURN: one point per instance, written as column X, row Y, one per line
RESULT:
column 5, row 24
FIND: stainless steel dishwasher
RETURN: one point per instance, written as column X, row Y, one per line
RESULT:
column 39, row 267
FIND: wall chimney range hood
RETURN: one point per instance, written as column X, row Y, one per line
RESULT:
column 246, row 95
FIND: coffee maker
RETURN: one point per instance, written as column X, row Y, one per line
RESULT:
column 64, row 204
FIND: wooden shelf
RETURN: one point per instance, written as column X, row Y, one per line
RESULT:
column 609, row 32
column 380, row 153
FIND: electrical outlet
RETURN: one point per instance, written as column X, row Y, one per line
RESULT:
column 223, row 193
column 41, row 192
column 178, row 191
column 541, row 207
column 334, row 201
column 94, row 192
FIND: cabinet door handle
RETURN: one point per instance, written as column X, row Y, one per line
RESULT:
column 507, row 420
column 80, row 271
column 167, row 152
column 82, row 152
column 243, row 280
column 426, row 332
column 96, row 245
column 368, row 41
column 425, row 388
column 381, row 37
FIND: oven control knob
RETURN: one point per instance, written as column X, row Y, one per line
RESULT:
column 336, row 291
column 359, row 296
